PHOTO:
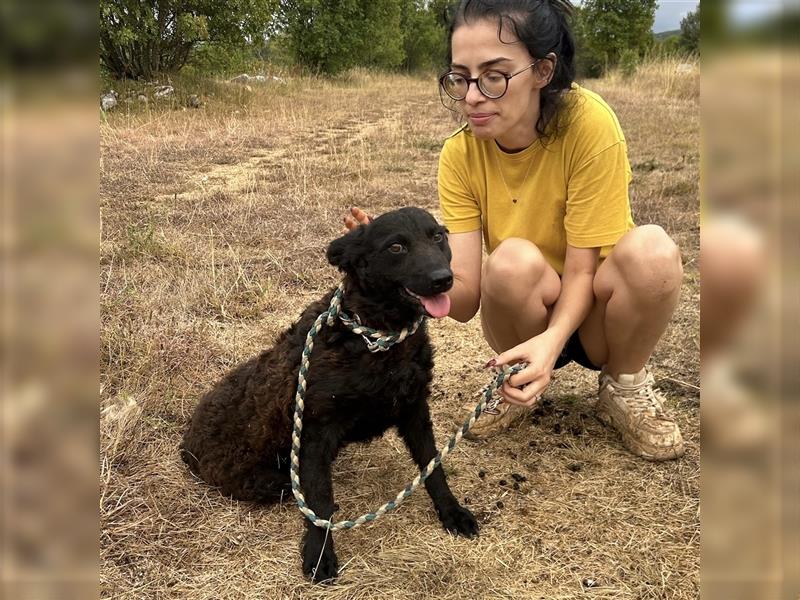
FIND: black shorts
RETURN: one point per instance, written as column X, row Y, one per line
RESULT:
column 573, row 350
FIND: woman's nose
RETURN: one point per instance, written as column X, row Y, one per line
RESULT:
column 474, row 94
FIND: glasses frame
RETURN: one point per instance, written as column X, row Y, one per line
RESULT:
column 477, row 81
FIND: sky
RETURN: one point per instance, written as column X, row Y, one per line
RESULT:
column 742, row 12
column 670, row 13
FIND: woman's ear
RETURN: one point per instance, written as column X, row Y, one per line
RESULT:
column 545, row 69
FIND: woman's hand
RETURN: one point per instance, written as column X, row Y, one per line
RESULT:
column 355, row 218
column 541, row 353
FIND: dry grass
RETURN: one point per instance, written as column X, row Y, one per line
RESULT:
column 215, row 223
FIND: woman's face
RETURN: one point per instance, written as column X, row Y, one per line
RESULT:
column 510, row 119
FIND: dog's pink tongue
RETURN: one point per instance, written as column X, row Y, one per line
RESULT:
column 437, row 306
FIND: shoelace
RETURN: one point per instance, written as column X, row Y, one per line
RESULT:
column 644, row 399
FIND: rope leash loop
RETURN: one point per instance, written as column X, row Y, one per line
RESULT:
column 377, row 341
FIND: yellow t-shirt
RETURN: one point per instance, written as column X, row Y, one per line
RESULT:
column 576, row 189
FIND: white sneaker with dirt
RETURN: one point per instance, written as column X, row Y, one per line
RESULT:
column 492, row 420
column 635, row 408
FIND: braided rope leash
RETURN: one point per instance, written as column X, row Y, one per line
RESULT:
column 376, row 341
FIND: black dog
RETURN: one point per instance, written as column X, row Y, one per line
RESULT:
column 396, row 269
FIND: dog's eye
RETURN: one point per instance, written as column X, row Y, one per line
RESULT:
column 396, row 248
column 437, row 237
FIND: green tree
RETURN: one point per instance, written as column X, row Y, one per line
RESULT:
column 669, row 46
column 330, row 36
column 609, row 29
column 690, row 31
column 424, row 36
column 141, row 38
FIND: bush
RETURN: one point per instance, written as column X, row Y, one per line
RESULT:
column 628, row 61
column 140, row 39
column 330, row 37
column 218, row 59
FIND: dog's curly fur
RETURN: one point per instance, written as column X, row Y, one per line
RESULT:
column 240, row 433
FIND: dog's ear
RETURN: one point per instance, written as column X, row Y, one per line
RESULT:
column 344, row 251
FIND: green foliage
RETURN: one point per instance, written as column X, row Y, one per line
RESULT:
column 141, row 38
column 690, row 31
column 330, row 36
column 608, row 29
column 223, row 59
column 424, row 36
column 628, row 61
column 668, row 46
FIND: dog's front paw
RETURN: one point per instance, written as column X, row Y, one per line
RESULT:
column 460, row 521
column 321, row 565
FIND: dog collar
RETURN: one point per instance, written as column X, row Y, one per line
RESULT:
column 375, row 339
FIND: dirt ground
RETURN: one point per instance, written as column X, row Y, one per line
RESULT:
column 215, row 223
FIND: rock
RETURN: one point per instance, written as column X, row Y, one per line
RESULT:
column 194, row 101
column 109, row 100
column 245, row 79
column 142, row 99
column 589, row 583
column 163, row 91
column 685, row 69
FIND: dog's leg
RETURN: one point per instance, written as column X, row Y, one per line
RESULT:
column 417, row 431
column 265, row 485
column 317, row 453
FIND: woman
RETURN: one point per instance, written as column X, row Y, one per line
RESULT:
column 540, row 174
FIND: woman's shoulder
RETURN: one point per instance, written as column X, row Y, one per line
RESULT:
column 589, row 115
column 460, row 138
column 461, row 143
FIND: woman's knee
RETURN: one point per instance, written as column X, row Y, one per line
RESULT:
column 649, row 261
column 516, row 266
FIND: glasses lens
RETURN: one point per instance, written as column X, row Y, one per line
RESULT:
column 493, row 84
column 455, row 86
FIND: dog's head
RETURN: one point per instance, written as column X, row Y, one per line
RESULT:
column 401, row 257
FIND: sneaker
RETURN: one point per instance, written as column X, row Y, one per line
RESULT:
column 635, row 408
column 492, row 420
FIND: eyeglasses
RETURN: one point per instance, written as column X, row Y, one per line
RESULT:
column 492, row 84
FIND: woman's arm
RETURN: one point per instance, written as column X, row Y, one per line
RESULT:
column 465, row 295
column 577, row 293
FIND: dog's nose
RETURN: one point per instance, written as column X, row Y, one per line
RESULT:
column 441, row 280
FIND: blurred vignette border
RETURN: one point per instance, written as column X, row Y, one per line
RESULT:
column 749, row 300
column 50, row 488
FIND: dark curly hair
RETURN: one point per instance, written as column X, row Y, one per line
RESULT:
column 543, row 26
